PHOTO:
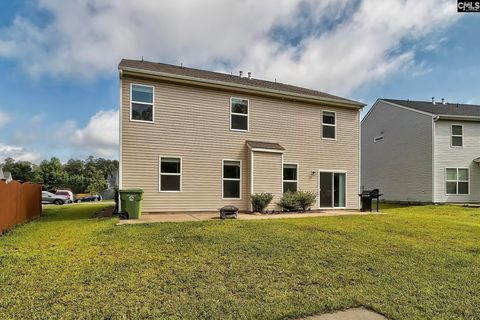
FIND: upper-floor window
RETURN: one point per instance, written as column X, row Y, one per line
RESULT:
column 238, row 114
column 290, row 177
column 457, row 136
column 457, row 181
column 142, row 98
column 328, row 125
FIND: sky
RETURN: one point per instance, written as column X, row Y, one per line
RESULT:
column 58, row 58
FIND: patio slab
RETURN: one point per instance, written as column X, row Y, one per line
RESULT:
column 201, row 216
column 350, row 314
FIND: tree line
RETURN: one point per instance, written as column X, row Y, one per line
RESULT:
column 80, row 176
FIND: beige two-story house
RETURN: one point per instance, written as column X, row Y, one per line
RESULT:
column 197, row 140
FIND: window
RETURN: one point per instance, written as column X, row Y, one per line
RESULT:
column 378, row 139
column 328, row 125
column 170, row 174
column 231, row 173
column 238, row 114
column 290, row 177
column 457, row 136
column 141, row 103
column 457, row 181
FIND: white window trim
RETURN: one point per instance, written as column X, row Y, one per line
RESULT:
column 239, row 114
column 378, row 139
column 318, row 189
column 297, row 181
column 232, row 179
column 330, row 125
column 169, row 174
column 144, row 103
column 456, row 135
column 457, row 181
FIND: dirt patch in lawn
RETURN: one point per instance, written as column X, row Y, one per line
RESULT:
column 105, row 213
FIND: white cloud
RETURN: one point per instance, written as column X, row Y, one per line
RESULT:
column 38, row 118
column 99, row 137
column 335, row 53
column 18, row 153
column 5, row 118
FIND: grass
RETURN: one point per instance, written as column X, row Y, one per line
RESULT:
column 414, row 263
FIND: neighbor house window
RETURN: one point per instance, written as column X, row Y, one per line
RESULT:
column 290, row 177
column 328, row 125
column 170, row 174
column 457, row 181
column 457, row 136
column 231, row 174
column 238, row 114
column 142, row 103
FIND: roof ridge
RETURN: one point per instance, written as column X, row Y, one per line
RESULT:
column 230, row 78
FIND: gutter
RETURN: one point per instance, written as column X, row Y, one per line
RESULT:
column 456, row 117
column 222, row 85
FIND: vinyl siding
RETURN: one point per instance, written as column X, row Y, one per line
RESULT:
column 454, row 157
column 267, row 175
column 193, row 123
column 400, row 165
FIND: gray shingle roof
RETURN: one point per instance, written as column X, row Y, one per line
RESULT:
column 448, row 109
column 228, row 78
column 264, row 145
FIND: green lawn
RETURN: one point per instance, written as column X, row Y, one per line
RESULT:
column 416, row 262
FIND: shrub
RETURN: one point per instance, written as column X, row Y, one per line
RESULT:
column 260, row 201
column 305, row 199
column 288, row 202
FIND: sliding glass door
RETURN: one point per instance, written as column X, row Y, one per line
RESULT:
column 332, row 187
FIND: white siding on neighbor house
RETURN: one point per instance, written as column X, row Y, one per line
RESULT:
column 194, row 123
column 401, row 164
column 447, row 156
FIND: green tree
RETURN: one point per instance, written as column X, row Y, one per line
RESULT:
column 96, row 183
column 51, row 174
column 74, row 167
column 20, row 170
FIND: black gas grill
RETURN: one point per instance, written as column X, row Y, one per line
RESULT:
column 367, row 196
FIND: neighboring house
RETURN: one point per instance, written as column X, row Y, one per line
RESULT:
column 200, row 140
column 112, row 182
column 417, row 151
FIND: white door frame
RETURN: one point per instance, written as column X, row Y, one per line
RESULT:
column 318, row 188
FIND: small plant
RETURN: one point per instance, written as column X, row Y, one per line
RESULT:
column 305, row 199
column 288, row 202
column 260, row 201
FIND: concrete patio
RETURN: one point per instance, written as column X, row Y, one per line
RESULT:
column 202, row 216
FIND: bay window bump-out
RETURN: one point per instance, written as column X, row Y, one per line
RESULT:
column 142, row 103
column 290, row 177
column 239, row 114
column 170, row 174
column 231, row 179
column 329, row 125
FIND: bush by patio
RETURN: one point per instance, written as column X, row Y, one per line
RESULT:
column 299, row 200
column 260, row 201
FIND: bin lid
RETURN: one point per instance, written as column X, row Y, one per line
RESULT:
column 131, row 191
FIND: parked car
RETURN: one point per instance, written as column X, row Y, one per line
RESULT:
column 95, row 197
column 67, row 194
column 48, row 197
